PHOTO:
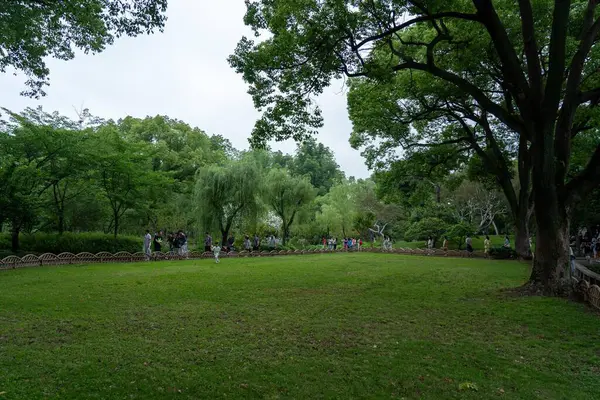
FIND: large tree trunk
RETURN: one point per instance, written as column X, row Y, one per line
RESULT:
column 552, row 221
column 61, row 221
column 16, row 229
column 116, row 231
column 224, row 238
column 551, row 259
column 522, row 238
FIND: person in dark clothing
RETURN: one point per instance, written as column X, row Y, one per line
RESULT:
column 170, row 239
column 230, row 243
column 256, row 244
column 208, row 243
column 176, row 243
column 158, row 238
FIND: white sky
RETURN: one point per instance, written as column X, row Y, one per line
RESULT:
column 182, row 73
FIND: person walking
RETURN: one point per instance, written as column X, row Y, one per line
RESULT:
column 158, row 238
column 469, row 243
column 486, row 246
column 445, row 244
column 506, row 242
column 207, row 242
column 247, row 244
column 216, row 249
column 147, row 241
column 256, row 244
column 183, row 246
column 359, row 244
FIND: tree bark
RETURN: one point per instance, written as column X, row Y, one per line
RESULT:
column 551, row 257
column 61, row 221
column 116, row 231
column 552, row 220
column 522, row 232
column 15, row 245
column 495, row 228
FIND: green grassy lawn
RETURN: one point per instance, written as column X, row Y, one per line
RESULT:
column 323, row 326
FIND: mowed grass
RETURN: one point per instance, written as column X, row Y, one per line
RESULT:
column 322, row 326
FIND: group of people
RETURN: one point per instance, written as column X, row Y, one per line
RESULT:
column 349, row 243
column 589, row 242
column 487, row 243
column 177, row 242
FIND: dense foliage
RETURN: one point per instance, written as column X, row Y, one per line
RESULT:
column 508, row 86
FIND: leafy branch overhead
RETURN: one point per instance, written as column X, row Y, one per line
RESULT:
column 33, row 30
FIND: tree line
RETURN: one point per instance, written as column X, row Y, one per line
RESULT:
column 157, row 173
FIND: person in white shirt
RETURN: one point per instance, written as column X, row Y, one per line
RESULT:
column 147, row 241
column 216, row 249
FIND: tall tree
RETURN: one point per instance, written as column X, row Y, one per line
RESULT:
column 226, row 194
column 22, row 173
column 527, row 67
column 316, row 161
column 339, row 208
column 34, row 30
column 287, row 195
column 123, row 173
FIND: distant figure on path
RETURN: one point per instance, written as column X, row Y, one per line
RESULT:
column 256, row 242
column 359, row 244
column 486, row 246
column 430, row 243
column 207, row 242
column 147, row 241
column 469, row 243
column 216, row 249
column 247, row 244
column 506, row 242
column 182, row 238
column 445, row 244
column 158, row 238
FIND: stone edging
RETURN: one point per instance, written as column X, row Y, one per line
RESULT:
column 586, row 283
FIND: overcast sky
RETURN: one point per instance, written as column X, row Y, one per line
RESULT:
column 182, row 73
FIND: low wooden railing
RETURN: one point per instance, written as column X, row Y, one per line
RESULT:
column 48, row 259
column 586, row 283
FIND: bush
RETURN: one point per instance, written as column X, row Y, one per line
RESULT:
column 459, row 232
column 424, row 228
column 73, row 243
column 502, row 253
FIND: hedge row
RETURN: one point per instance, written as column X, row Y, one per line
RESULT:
column 72, row 242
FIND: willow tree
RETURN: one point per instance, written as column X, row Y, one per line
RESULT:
column 529, row 67
column 226, row 194
column 287, row 195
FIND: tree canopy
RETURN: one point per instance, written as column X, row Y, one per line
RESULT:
column 34, row 30
column 503, row 80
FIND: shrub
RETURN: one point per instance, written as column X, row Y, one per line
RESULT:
column 73, row 242
column 459, row 232
column 424, row 228
column 502, row 253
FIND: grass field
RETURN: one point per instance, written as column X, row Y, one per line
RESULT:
column 323, row 326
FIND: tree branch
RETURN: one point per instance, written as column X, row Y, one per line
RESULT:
column 493, row 108
column 531, row 49
column 581, row 185
column 397, row 28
